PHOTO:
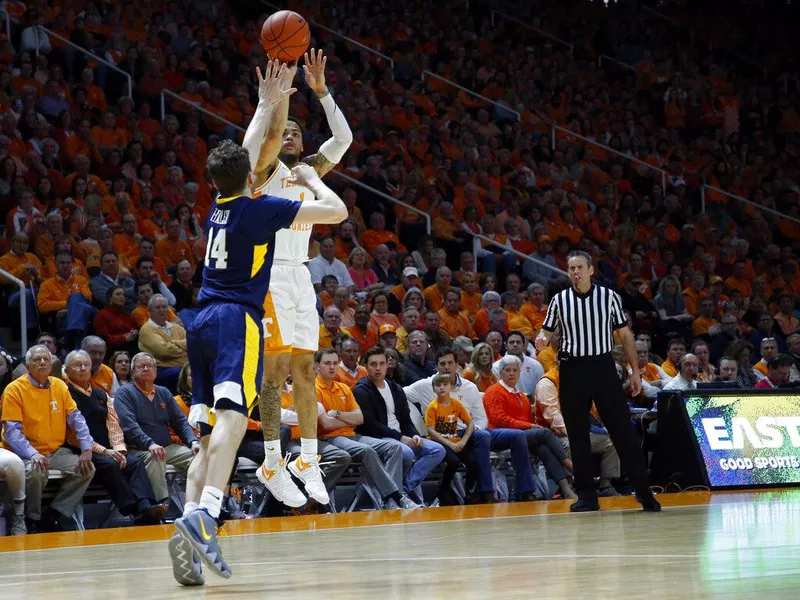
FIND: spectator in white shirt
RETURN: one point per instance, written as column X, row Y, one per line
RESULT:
column 530, row 372
column 686, row 378
column 33, row 39
column 327, row 264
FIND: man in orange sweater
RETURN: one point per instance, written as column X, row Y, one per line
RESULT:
column 455, row 322
column 67, row 297
column 27, row 267
column 172, row 249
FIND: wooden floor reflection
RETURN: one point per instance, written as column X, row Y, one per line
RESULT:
column 732, row 545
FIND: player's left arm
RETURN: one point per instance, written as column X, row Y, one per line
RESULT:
column 333, row 150
column 271, row 91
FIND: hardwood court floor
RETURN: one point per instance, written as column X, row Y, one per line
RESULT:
column 720, row 545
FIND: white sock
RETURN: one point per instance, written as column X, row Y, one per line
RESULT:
column 19, row 506
column 189, row 507
column 308, row 450
column 272, row 453
column 211, row 500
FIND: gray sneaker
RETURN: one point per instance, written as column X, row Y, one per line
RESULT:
column 407, row 503
column 199, row 529
column 18, row 526
column 390, row 504
column 186, row 568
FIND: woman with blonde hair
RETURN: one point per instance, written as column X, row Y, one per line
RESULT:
column 479, row 367
column 671, row 308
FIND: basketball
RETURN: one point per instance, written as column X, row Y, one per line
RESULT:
column 285, row 35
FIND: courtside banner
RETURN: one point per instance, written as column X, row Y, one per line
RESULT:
column 747, row 439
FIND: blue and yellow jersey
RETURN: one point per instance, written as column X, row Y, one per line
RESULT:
column 240, row 248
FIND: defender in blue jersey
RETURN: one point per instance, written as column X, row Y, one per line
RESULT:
column 225, row 340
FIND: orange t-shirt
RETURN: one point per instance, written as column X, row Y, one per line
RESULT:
column 444, row 419
column 104, row 379
column 336, row 396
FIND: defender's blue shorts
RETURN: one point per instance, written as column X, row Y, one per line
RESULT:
column 225, row 344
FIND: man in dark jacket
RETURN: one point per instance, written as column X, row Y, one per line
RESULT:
column 386, row 416
column 122, row 475
column 416, row 364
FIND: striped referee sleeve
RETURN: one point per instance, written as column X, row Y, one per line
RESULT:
column 553, row 317
column 618, row 320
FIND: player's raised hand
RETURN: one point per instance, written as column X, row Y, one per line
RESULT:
column 303, row 174
column 272, row 87
column 314, row 69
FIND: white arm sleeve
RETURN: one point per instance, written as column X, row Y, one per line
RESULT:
column 334, row 148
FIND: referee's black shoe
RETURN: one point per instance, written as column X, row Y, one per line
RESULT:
column 649, row 503
column 585, row 505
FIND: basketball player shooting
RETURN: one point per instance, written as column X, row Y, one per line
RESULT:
column 291, row 324
column 225, row 342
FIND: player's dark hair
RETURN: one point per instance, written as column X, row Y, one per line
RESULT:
column 296, row 122
column 229, row 165
column 320, row 353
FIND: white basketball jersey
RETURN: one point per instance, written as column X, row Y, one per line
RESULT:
column 291, row 245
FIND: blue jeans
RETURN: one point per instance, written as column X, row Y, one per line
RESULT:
column 419, row 462
column 30, row 306
column 480, row 445
column 516, row 441
column 80, row 313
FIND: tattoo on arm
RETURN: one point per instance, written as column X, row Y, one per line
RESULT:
column 321, row 164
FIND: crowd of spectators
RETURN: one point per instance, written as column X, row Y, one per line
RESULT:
column 106, row 197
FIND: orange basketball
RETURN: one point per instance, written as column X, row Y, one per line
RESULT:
column 285, row 36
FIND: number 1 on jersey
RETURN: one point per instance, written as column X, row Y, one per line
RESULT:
column 216, row 249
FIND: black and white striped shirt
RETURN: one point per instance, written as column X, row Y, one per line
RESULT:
column 587, row 320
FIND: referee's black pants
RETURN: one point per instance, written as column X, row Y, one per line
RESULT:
column 594, row 379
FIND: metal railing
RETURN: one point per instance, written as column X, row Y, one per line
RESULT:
column 550, row 36
column 555, row 128
column 615, row 61
column 470, row 92
column 761, row 207
column 347, row 178
column 23, row 309
column 517, row 253
column 92, row 55
column 338, row 34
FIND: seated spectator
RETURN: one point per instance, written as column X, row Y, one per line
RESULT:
column 146, row 412
column 62, row 244
column 105, row 243
column 387, row 337
column 463, row 347
column 514, row 318
column 326, row 263
column 785, row 317
column 676, row 348
column 329, row 285
column 496, row 341
column 434, row 294
column 387, row 273
column 416, row 364
column 110, row 277
column 479, row 369
column 185, row 290
column 437, row 339
column 157, row 272
column 47, row 242
column 363, row 277
column 26, row 267
column 547, row 411
column 729, row 332
column 455, row 322
column 120, row 364
column 37, row 411
column 686, row 379
column 410, row 280
column 671, row 308
column 346, row 240
column 122, row 476
column 653, row 376
column 144, row 293
column 778, row 374
column 172, row 249
column 742, row 351
column 380, row 460
column 341, row 300
column 769, row 350
column 68, row 298
column 535, row 308
column 508, row 408
column 114, row 324
column 410, row 322
column 706, row 371
column 377, row 234
column 331, row 326
column 706, row 325
column 146, row 271
column 468, row 446
column 165, row 341
column 531, row 369
column 793, row 344
column 362, row 330
column 350, row 372
column 490, row 301
column 102, row 375
column 380, row 315
column 728, row 369
column 470, row 295
column 386, row 416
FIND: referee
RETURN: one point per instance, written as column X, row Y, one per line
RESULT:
column 588, row 315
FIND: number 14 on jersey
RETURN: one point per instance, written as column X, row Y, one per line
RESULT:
column 216, row 249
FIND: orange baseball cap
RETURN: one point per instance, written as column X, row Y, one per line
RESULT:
column 386, row 328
